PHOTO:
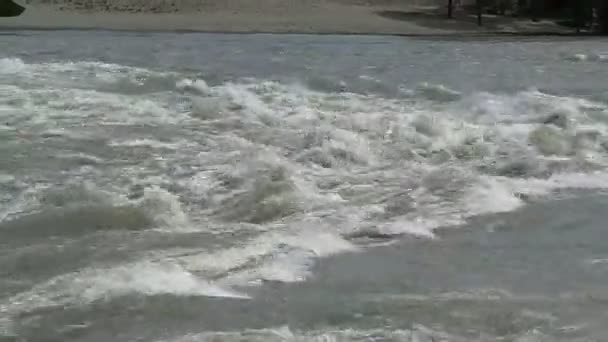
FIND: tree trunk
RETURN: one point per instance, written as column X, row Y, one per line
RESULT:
column 515, row 7
column 501, row 7
column 536, row 8
column 479, row 6
column 450, row 8
column 602, row 16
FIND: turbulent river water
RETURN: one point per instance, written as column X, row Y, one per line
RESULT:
column 199, row 187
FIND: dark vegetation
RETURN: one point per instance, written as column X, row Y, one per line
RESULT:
column 582, row 15
column 10, row 9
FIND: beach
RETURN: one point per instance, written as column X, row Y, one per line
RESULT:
column 272, row 16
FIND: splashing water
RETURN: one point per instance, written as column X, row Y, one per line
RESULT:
column 180, row 183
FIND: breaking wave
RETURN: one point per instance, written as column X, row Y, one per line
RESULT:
column 98, row 284
column 291, row 173
column 418, row 333
column 84, row 208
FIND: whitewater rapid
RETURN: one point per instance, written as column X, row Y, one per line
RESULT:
column 261, row 178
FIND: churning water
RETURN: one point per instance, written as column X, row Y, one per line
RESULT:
column 165, row 187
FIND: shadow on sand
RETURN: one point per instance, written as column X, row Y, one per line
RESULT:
column 436, row 20
column 464, row 21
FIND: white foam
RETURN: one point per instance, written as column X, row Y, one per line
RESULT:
column 244, row 96
column 64, row 133
column 532, row 336
column 416, row 227
column 208, row 108
column 522, row 107
column 196, row 86
column 288, row 267
column 164, row 208
column 82, row 157
column 24, row 203
column 260, row 186
column 11, row 65
column 601, row 57
column 477, row 295
column 148, row 279
column 6, row 178
column 149, row 143
column 418, row 333
column 69, row 106
column 315, row 239
column 369, row 78
column 67, row 75
column 276, row 157
column 295, row 264
column 77, row 194
column 561, row 181
column 597, row 261
column 592, row 57
column 578, row 57
column 69, row 95
column 286, row 256
column 95, row 284
column 75, row 66
column 490, row 196
column 437, row 92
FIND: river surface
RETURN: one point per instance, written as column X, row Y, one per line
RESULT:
column 203, row 187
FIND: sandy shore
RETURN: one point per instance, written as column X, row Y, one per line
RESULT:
column 273, row 16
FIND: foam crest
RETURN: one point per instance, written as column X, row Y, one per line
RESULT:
column 11, row 66
column 263, row 188
column 437, row 92
column 95, row 284
column 37, row 198
column 597, row 261
column 308, row 137
column 81, row 158
column 418, row 333
column 199, row 87
column 86, row 194
column 245, row 96
column 147, row 279
column 77, row 69
column 416, row 227
column 275, row 157
column 525, row 107
column 489, row 196
column 23, row 203
column 601, row 57
column 481, row 132
column 208, row 108
column 577, row 57
column 151, row 143
column 587, row 57
column 153, row 208
column 565, row 181
column 277, row 256
column 164, row 208
column 296, row 256
column 70, row 106
column 6, row 178
column 71, row 66
column 68, row 76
